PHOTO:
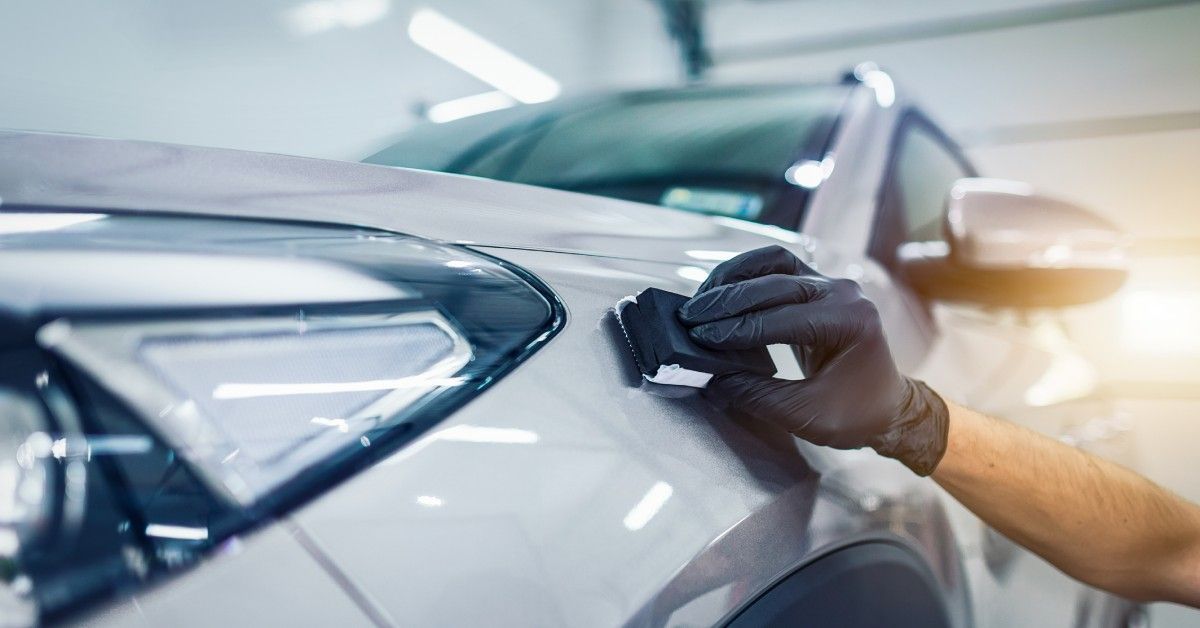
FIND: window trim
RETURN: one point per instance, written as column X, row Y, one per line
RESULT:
column 910, row 119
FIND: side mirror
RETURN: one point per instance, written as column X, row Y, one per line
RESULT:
column 1007, row 246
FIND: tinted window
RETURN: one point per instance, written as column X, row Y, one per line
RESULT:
column 924, row 170
column 718, row 151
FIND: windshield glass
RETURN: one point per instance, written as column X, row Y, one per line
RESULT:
column 709, row 150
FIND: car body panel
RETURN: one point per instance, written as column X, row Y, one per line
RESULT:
column 844, row 207
column 553, row 523
column 74, row 171
column 278, row 580
column 546, row 530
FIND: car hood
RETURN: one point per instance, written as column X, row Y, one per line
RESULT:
column 57, row 170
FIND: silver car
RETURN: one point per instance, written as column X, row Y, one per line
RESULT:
column 251, row 389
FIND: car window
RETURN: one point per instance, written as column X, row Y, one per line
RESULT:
column 653, row 135
column 924, row 169
column 717, row 151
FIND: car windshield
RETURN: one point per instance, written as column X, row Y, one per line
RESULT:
column 717, row 151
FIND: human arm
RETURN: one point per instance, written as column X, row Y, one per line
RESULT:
column 1094, row 520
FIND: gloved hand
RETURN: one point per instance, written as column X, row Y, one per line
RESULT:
column 853, row 395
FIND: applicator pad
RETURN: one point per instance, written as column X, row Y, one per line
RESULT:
column 664, row 352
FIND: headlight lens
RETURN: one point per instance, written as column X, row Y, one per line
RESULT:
column 254, row 402
column 189, row 416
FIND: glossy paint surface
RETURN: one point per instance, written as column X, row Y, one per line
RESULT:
column 587, row 497
column 71, row 171
column 624, row 503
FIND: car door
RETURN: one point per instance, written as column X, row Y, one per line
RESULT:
column 1003, row 363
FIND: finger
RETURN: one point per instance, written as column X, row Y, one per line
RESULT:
column 808, row 324
column 752, row 294
column 769, row 260
column 813, row 359
column 759, row 395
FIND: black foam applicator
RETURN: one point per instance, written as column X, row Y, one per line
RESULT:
column 664, row 352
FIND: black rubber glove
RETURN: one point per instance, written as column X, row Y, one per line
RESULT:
column 853, row 395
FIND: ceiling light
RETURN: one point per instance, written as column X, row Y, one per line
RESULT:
column 319, row 16
column 480, row 58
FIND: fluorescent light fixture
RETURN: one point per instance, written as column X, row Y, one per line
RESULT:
column 469, row 106
column 319, row 16
column 480, row 58
column 1161, row 322
column 183, row 533
column 650, row 504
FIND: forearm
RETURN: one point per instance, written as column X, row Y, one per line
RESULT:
column 1095, row 520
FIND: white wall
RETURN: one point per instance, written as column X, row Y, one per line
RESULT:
column 239, row 74
column 1130, row 64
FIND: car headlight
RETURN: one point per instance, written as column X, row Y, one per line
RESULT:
column 252, row 402
column 219, row 376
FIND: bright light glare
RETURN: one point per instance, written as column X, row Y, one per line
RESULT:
column 711, row 256
column 693, row 273
column 246, row 391
column 184, row 533
column 9, row 541
column 991, row 186
column 877, row 81
column 480, row 58
column 18, row 222
column 319, row 16
column 806, row 174
column 469, row 106
column 429, row 501
column 481, row 434
column 1161, row 322
column 881, row 83
column 1067, row 376
column 468, row 434
column 770, row 231
column 650, row 504
column 340, row 425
